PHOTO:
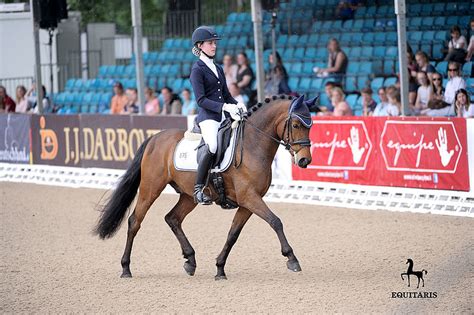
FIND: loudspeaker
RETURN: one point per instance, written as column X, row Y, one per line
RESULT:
column 50, row 12
column 270, row 4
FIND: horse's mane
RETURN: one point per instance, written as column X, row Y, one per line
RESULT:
column 268, row 100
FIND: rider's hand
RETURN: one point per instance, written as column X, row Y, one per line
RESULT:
column 232, row 109
column 242, row 107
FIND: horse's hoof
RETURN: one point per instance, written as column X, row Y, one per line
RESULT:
column 217, row 278
column 126, row 275
column 293, row 266
column 190, row 269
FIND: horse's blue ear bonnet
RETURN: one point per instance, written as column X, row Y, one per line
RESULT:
column 299, row 109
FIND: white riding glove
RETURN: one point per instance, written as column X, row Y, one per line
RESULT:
column 242, row 107
column 232, row 109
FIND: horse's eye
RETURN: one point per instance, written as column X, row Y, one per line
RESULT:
column 296, row 126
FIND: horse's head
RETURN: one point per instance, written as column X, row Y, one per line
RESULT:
column 296, row 131
column 409, row 261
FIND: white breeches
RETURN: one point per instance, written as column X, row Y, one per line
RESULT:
column 209, row 130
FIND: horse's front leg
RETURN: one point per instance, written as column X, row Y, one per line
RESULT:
column 408, row 276
column 256, row 205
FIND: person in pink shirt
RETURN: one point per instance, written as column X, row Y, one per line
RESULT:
column 152, row 105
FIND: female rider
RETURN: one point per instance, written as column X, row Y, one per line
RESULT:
column 213, row 99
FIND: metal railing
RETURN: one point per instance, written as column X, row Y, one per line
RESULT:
column 11, row 84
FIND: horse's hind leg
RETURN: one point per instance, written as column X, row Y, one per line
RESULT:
column 241, row 217
column 146, row 197
column 174, row 218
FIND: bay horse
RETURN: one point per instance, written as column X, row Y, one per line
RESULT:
column 267, row 125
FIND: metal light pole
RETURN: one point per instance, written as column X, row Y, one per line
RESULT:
column 39, row 84
column 400, row 11
column 138, row 50
column 257, row 34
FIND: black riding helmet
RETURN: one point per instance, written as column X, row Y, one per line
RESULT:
column 204, row 33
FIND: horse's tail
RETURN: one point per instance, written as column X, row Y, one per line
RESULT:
column 117, row 205
column 426, row 272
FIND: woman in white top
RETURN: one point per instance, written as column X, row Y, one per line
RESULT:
column 423, row 94
column 21, row 100
column 455, row 82
column 463, row 106
column 456, row 46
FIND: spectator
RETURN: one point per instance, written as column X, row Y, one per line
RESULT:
column 230, row 69
column 341, row 108
column 276, row 81
column 437, row 87
column 189, row 105
column 119, row 100
column 152, row 105
column 368, row 103
column 2, row 104
column 328, row 86
column 384, row 108
column 46, row 103
column 424, row 93
column 470, row 48
column 394, row 99
column 337, row 62
column 132, row 106
column 455, row 82
column 463, row 106
column 21, row 100
column 235, row 93
column 9, row 104
column 171, row 102
column 456, row 46
column 424, row 65
column 245, row 75
column 412, row 76
column 346, row 8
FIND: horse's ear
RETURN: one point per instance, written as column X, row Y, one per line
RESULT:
column 296, row 104
column 313, row 104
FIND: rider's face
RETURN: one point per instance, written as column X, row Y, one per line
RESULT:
column 209, row 47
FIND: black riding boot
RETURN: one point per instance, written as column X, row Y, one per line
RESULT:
column 201, row 178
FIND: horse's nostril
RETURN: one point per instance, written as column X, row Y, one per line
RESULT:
column 303, row 162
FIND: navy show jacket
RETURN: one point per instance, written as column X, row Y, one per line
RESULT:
column 211, row 92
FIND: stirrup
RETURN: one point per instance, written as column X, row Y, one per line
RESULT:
column 200, row 197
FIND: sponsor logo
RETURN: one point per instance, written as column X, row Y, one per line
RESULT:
column 340, row 145
column 420, row 146
column 420, row 277
column 49, row 141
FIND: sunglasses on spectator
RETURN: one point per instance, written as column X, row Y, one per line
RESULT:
column 436, row 79
column 453, row 69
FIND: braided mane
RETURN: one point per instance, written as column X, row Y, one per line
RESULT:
column 268, row 100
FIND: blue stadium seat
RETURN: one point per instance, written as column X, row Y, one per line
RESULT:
column 368, row 25
column 415, row 23
column 299, row 53
column 310, row 53
column 379, row 52
column 470, row 85
column 70, row 83
column 363, row 81
column 467, row 69
column 368, row 38
column 355, row 53
column 304, row 85
column 317, row 84
column 351, row 99
column 428, row 36
column 293, row 83
column 350, row 83
column 87, row 99
column 358, row 25
column 440, row 22
column 451, row 21
column 296, row 68
column 321, row 53
column 388, row 67
column 288, row 53
column 427, row 23
column 392, row 52
column 293, row 40
column 307, row 68
column 370, row 11
column 303, row 40
column 353, row 67
column 376, row 84
column 426, row 9
column 390, row 81
column 442, row 67
column 379, row 38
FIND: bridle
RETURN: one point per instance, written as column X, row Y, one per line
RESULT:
column 287, row 136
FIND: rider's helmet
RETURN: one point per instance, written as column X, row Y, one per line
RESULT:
column 201, row 34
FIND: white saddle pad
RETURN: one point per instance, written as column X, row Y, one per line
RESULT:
column 185, row 155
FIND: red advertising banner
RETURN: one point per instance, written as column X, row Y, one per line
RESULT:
column 382, row 151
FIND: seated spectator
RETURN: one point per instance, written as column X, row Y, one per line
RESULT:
column 235, row 93
column 171, row 102
column 230, row 69
column 424, row 65
column 455, row 82
column 21, row 100
column 341, row 108
column 8, row 103
column 470, row 48
column 189, row 105
column 456, row 46
column 412, row 80
column 152, row 105
column 132, row 106
column 438, row 108
column 276, row 80
column 384, row 108
column 424, row 93
column 328, row 86
column 119, row 100
column 337, row 62
column 437, row 87
column 368, row 103
column 245, row 75
column 394, row 99
column 463, row 106
column 46, row 103
column 346, row 8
